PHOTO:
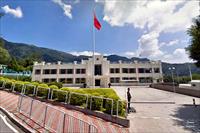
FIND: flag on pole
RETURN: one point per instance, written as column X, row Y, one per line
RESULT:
column 96, row 22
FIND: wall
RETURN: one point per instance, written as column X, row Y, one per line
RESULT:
column 185, row 91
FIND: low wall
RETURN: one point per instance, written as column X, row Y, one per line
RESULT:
column 185, row 91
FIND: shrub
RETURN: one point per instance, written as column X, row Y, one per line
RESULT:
column 53, row 87
column 18, row 86
column 78, row 99
column 58, row 84
column 43, row 91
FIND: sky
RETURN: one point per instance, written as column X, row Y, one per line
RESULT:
column 150, row 29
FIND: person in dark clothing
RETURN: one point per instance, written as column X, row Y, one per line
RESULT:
column 109, row 85
column 129, row 99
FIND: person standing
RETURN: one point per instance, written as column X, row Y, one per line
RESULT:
column 129, row 99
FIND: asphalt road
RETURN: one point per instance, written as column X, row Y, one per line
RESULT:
column 6, row 126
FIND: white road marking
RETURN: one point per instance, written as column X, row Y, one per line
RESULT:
column 11, row 127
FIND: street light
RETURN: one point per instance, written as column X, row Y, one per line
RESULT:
column 171, row 69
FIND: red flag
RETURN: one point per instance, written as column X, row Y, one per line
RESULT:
column 96, row 22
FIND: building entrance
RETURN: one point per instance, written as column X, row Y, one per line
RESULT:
column 97, row 82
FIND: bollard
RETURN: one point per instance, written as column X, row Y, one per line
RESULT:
column 194, row 103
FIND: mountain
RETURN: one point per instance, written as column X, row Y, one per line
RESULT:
column 21, row 50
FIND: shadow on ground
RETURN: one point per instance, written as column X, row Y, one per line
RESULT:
column 188, row 116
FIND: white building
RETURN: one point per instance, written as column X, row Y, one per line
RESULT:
column 102, row 73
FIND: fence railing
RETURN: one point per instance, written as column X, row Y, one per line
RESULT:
column 53, row 119
column 112, row 107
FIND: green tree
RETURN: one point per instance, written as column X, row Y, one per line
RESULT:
column 4, row 56
column 194, row 48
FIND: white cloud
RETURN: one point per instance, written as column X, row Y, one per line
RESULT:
column 148, row 45
column 171, row 43
column 66, row 7
column 130, row 54
column 154, row 18
column 178, row 56
column 86, row 53
column 15, row 12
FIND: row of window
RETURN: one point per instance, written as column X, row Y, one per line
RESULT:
column 66, row 80
column 141, row 79
column 133, row 70
column 61, row 71
column 83, row 71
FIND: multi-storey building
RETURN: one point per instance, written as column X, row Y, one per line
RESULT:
column 98, row 71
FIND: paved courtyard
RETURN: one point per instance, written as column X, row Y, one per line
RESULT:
column 161, row 111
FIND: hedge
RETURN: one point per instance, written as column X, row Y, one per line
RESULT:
column 78, row 97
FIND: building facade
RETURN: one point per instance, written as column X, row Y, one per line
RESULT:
column 98, row 71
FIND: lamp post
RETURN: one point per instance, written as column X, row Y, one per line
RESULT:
column 190, row 71
column 171, row 69
column 1, row 15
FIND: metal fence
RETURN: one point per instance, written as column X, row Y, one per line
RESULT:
column 53, row 119
column 112, row 107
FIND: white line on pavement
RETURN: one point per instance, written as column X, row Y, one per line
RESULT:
column 11, row 127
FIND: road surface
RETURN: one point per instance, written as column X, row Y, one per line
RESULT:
column 6, row 126
column 161, row 111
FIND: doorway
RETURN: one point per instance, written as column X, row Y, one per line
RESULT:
column 97, row 82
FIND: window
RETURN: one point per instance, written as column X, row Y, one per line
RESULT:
column 50, row 71
column 97, row 70
column 128, row 70
column 124, row 70
column 46, row 71
column 53, row 71
column 141, row 70
column 132, row 70
column 157, row 70
column 114, row 70
column 37, row 71
column 80, row 71
column 66, row 80
column 62, row 71
column 69, row 71
column 128, row 78
column 114, row 80
column 145, row 80
column 45, row 80
column 80, row 80
column 148, row 70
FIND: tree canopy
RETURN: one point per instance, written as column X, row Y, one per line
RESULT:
column 194, row 47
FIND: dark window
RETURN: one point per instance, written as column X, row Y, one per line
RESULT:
column 53, row 80
column 80, row 80
column 80, row 71
column 83, row 71
column 145, row 80
column 128, row 78
column 46, row 71
column 141, row 70
column 112, row 70
column 97, row 69
column 37, row 71
column 148, row 70
column 62, row 80
column 45, row 80
column 117, row 70
column 69, row 71
column 157, row 70
column 114, row 80
column 53, row 71
column 132, row 70
column 62, row 71
column 66, row 80
column 124, row 70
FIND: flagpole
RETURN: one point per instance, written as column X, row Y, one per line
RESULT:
column 93, row 79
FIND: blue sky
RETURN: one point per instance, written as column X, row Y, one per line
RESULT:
column 128, row 28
